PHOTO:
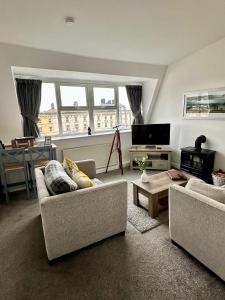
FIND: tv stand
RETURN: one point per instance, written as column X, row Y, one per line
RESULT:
column 157, row 158
column 150, row 147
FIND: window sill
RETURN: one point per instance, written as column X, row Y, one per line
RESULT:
column 66, row 137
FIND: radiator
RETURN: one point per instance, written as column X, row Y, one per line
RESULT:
column 100, row 153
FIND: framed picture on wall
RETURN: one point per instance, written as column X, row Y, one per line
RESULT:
column 48, row 140
column 206, row 104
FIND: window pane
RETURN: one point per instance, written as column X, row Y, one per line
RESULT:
column 104, row 96
column 125, row 114
column 105, row 119
column 73, row 96
column 48, row 118
column 75, row 122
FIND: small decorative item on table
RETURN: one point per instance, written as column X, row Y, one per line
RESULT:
column 176, row 175
column 142, row 167
column 48, row 140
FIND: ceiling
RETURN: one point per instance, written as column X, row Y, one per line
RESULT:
column 148, row 31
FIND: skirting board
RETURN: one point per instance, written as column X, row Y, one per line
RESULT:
column 175, row 165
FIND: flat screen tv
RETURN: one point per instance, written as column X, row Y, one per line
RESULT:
column 151, row 134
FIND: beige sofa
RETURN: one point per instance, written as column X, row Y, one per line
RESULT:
column 77, row 219
column 197, row 223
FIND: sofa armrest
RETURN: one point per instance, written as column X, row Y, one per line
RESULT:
column 197, row 223
column 42, row 190
column 88, row 167
column 74, row 220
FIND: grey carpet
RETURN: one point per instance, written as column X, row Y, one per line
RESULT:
column 137, row 216
column 135, row 266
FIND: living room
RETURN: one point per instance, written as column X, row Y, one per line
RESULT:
column 163, row 64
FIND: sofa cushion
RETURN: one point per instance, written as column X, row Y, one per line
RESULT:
column 214, row 192
column 81, row 179
column 57, row 180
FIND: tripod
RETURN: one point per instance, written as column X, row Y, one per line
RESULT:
column 117, row 142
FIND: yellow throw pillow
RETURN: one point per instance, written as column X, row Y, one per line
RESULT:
column 81, row 179
column 69, row 165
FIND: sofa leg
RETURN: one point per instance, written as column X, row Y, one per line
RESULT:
column 177, row 245
column 122, row 233
column 51, row 262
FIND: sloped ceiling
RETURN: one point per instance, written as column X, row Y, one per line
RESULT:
column 148, row 31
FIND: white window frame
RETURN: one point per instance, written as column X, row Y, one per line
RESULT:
column 90, row 108
column 61, row 108
column 104, row 107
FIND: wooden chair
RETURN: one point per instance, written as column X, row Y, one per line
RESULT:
column 38, row 157
column 13, row 161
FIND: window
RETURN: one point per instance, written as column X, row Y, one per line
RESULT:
column 125, row 114
column 69, row 117
column 73, row 96
column 105, row 107
column 104, row 115
column 104, row 96
column 71, row 109
column 48, row 110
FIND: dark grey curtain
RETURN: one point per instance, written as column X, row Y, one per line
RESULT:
column 29, row 98
column 134, row 94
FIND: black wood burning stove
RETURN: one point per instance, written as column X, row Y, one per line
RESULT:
column 198, row 162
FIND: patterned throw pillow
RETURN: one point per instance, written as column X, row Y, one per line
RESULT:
column 81, row 179
column 56, row 179
column 69, row 165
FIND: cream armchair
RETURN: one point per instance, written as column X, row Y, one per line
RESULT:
column 77, row 219
column 197, row 224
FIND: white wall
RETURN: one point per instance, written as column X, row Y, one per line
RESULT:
column 204, row 69
column 149, row 92
column 10, row 119
column 91, row 141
